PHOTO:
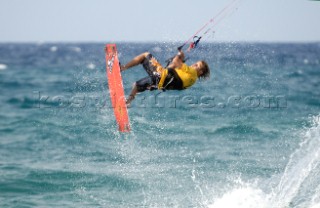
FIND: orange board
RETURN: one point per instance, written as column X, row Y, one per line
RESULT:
column 117, row 96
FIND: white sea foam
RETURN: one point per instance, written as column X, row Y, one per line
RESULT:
column 299, row 185
column 301, row 170
column 245, row 197
column 3, row 67
column 315, row 201
column 91, row 66
column 316, row 206
column 75, row 49
column 53, row 48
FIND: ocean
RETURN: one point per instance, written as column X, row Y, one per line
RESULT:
column 247, row 137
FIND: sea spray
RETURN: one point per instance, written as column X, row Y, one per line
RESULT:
column 244, row 195
column 300, row 170
column 73, row 155
column 299, row 184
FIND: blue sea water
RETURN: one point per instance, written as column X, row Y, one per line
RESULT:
column 248, row 137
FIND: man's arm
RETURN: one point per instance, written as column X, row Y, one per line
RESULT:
column 177, row 60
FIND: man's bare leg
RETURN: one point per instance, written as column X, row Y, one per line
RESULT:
column 132, row 95
column 135, row 61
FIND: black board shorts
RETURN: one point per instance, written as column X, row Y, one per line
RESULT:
column 151, row 81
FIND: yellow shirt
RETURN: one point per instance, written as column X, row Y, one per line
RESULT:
column 187, row 74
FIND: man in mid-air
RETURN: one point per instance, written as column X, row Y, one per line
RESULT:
column 177, row 76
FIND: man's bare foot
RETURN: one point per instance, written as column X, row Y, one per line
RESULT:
column 122, row 67
column 129, row 100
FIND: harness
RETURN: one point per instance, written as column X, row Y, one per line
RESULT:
column 172, row 81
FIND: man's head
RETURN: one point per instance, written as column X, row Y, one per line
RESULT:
column 202, row 69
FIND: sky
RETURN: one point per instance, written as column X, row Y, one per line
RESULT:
column 164, row 21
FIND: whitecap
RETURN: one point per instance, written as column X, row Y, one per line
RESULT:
column 3, row 67
column 91, row 66
column 246, row 197
column 75, row 49
column 53, row 48
column 301, row 171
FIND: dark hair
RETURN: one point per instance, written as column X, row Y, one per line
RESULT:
column 205, row 70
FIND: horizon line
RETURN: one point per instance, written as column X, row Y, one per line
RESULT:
column 162, row 42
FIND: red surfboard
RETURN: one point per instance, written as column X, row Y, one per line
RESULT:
column 117, row 96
